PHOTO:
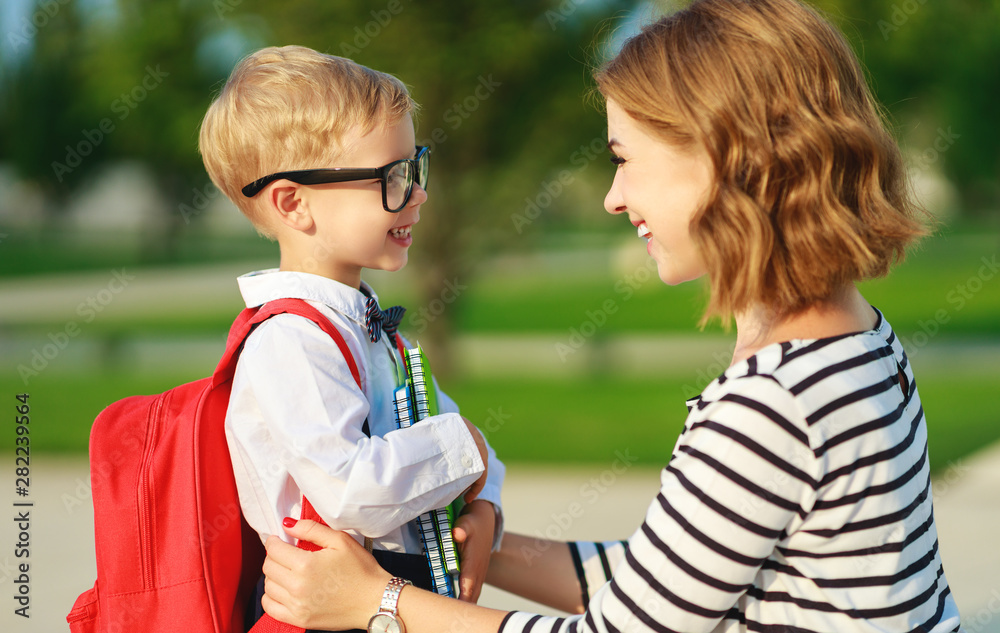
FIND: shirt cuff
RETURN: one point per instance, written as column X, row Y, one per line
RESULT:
column 459, row 446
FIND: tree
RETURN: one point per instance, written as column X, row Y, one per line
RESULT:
column 927, row 64
column 501, row 89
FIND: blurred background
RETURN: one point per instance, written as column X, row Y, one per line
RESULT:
column 543, row 315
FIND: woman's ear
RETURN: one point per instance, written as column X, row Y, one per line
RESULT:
column 286, row 202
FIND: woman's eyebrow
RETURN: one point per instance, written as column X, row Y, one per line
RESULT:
column 612, row 144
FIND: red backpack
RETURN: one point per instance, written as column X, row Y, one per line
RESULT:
column 173, row 550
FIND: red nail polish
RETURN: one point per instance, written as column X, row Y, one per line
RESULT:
column 289, row 522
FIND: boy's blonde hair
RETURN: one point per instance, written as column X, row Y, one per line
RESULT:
column 292, row 108
column 810, row 191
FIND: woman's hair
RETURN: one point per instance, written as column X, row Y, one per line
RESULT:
column 811, row 191
column 292, row 108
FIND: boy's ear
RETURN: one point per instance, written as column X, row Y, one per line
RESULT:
column 285, row 200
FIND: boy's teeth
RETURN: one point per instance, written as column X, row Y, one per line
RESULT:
column 643, row 230
column 400, row 232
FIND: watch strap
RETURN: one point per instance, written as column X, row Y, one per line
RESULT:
column 390, row 597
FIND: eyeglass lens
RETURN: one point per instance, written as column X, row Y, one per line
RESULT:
column 399, row 181
column 398, row 184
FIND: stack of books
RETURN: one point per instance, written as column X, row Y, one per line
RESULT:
column 415, row 400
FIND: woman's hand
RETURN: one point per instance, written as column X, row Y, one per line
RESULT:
column 301, row 588
column 473, row 534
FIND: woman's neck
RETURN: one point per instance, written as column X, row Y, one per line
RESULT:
column 844, row 313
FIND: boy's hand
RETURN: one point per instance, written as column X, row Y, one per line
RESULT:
column 477, row 487
column 474, row 535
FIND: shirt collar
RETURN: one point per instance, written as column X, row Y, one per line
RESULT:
column 262, row 286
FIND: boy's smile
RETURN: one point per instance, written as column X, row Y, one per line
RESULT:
column 402, row 235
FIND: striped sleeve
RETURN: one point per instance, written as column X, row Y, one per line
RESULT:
column 743, row 475
column 595, row 563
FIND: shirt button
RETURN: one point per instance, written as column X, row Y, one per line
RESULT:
column 466, row 461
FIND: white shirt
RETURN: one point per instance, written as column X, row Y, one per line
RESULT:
column 294, row 425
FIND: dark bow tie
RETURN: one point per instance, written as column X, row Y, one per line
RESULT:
column 379, row 320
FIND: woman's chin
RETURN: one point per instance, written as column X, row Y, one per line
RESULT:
column 671, row 276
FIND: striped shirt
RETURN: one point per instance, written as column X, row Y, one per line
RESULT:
column 797, row 498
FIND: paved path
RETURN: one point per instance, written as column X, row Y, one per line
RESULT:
column 537, row 501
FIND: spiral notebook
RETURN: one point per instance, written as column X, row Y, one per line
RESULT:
column 415, row 400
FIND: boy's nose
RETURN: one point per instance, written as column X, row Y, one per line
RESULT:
column 418, row 195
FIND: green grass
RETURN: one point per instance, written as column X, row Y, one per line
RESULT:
column 55, row 250
column 939, row 288
column 64, row 405
column 940, row 282
column 584, row 420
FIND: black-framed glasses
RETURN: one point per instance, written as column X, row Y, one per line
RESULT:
column 397, row 178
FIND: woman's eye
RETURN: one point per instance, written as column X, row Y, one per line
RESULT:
column 618, row 161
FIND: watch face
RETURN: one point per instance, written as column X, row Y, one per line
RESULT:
column 384, row 623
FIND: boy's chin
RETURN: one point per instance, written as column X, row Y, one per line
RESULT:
column 393, row 266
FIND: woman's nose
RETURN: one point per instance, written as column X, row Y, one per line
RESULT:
column 613, row 202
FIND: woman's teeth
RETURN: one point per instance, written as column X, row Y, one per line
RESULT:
column 401, row 233
column 643, row 230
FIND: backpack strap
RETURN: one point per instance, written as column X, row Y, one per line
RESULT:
column 252, row 317
column 241, row 329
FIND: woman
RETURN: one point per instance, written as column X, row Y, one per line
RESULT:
column 748, row 148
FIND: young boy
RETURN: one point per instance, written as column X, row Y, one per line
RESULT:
column 297, row 424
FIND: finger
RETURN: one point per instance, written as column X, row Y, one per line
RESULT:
column 278, row 611
column 276, row 574
column 278, row 592
column 283, row 554
column 469, row 588
column 464, row 525
column 317, row 533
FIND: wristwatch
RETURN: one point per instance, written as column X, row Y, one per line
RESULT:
column 387, row 619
